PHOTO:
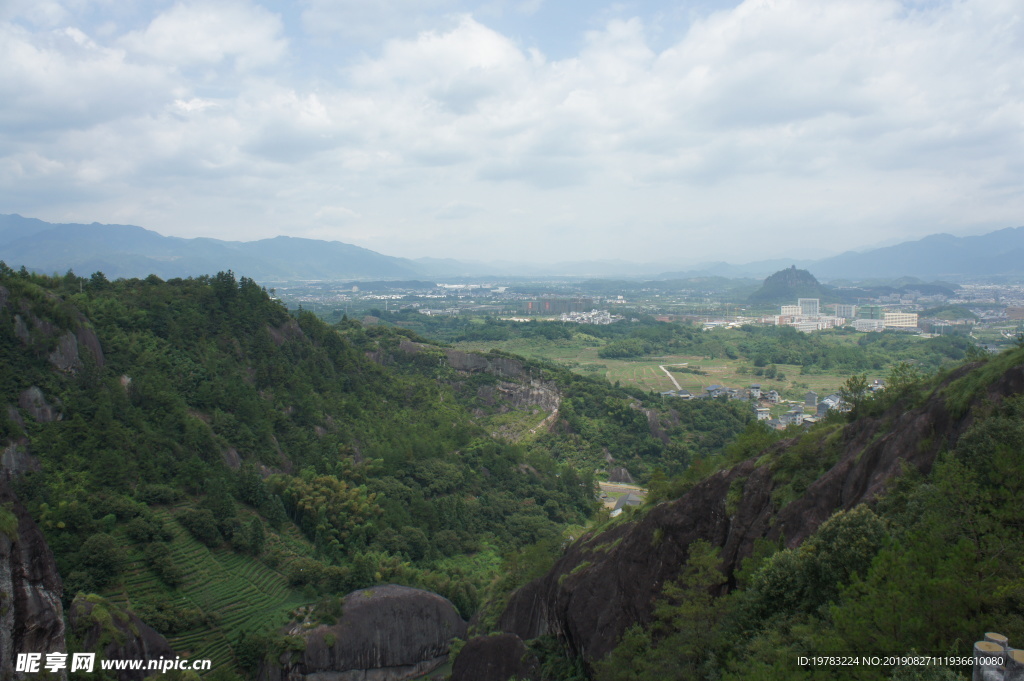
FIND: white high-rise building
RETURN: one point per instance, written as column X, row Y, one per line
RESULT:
column 809, row 307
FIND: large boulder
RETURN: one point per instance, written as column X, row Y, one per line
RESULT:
column 497, row 657
column 386, row 633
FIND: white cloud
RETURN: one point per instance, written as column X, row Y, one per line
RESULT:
column 371, row 22
column 458, row 210
column 203, row 34
column 335, row 215
column 759, row 122
column 60, row 79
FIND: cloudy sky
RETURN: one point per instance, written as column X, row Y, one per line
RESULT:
column 505, row 129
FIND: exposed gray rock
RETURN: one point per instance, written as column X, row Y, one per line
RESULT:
column 231, row 458
column 34, row 402
column 505, row 367
column 620, row 474
column 31, row 615
column 21, row 330
column 387, row 633
column 88, row 341
column 495, row 658
column 15, row 416
column 65, row 356
column 289, row 331
column 116, row 634
column 542, row 394
column 15, row 459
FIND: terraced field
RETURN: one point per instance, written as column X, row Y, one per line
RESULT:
column 244, row 594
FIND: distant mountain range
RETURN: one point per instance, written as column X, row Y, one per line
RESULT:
column 939, row 256
column 131, row 251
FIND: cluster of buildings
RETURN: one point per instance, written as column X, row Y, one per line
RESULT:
column 806, row 316
column 592, row 317
column 811, row 410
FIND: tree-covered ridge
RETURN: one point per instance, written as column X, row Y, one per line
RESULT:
column 196, row 424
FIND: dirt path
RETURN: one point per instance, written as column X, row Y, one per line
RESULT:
column 669, row 373
column 620, row 487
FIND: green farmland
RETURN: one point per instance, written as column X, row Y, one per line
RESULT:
column 248, row 596
column 646, row 373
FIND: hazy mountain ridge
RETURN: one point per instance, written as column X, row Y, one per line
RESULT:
column 131, row 251
column 935, row 256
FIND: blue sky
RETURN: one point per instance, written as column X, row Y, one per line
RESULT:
column 519, row 129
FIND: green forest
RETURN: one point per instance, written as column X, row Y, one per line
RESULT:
column 207, row 423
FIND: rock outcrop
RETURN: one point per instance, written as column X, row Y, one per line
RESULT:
column 31, row 615
column 605, row 583
column 506, row 367
column 621, row 475
column 116, row 634
column 386, row 633
column 68, row 348
column 495, row 658
column 34, row 402
column 541, row 394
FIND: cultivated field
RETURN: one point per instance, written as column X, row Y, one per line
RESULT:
column 248, row 596
column 646, row 373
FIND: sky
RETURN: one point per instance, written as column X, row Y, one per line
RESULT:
column 536, row 130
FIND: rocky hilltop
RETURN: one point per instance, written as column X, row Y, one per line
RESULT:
column 785, row 286
column 608, row 581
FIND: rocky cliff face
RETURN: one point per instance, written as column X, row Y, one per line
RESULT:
column 607, row 582
column 116, row 634
column 67, row 347
column 541, row 394
column 386, row 633
column 31, row 615
column 506, row 367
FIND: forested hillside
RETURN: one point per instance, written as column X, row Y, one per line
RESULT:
column 194, row 451
column 895, row 530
